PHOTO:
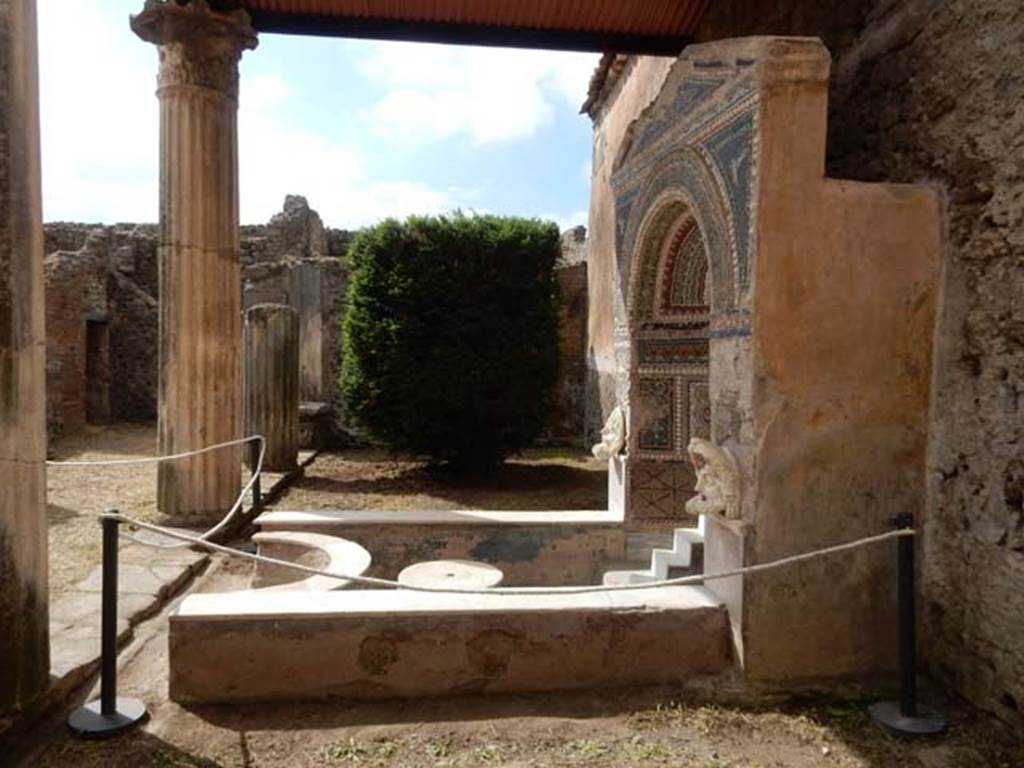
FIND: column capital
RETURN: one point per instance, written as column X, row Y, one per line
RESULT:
column 198, row 46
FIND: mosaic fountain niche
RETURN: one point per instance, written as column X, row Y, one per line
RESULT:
column 788, row 318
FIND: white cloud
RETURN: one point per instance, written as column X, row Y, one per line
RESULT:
column 100, row 135
column 99, row 116
column 485, row 94
column 275, row 160
column 100, row 120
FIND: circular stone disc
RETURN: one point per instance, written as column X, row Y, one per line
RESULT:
column 451, row 573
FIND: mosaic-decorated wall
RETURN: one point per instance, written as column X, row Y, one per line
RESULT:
column 684, row 204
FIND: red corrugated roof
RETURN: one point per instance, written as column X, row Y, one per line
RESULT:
column 645, row 23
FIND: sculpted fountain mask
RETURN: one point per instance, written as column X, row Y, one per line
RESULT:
column 718, row 480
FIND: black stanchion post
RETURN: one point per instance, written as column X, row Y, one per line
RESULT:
column 257, row 492
column 110, row 715
column 905, row 717
column 108, row 628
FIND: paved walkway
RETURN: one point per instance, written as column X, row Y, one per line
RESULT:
column 147, row 579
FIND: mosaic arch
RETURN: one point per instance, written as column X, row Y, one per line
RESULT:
column 670, row 312
column 685, row 208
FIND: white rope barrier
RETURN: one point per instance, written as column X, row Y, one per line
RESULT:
column 155, row 459
column 389, row 583
column 235, row 508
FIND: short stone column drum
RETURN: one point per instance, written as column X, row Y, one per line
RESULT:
column 272, row 382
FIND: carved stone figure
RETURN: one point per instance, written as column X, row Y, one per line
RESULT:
column 718, row 480
column 613, row 436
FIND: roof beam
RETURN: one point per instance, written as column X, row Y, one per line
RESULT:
column 323, row 25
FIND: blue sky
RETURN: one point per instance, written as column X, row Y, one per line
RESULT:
column 362, row 129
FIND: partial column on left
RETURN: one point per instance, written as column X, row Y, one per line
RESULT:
column 24, row 599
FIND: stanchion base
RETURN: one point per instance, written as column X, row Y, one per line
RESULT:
column 889, row 716
column 90, row 723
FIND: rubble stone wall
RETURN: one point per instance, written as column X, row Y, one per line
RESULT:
column 109, row 274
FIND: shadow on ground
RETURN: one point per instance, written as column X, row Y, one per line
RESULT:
column 372, row 481
column 639, row 728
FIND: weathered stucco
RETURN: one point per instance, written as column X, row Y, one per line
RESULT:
column 822, row 309
column 932, row 90
column 544, row 551
column 637, row 87
column 927, row 90
column 398, row 644
column 24, row 639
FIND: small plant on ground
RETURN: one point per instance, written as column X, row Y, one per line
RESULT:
column 451, row 335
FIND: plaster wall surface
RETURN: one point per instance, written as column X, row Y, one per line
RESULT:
column 822, row 320
column 543, row 552
column 638, row 85
column 931, row 91
column 843, row 328
column 844, row 308
column 397, row 644
column 24, row 635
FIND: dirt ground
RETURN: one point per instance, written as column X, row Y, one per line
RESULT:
column 75, row 495
column 541, row 479
column 612, row 729
column 601, row 729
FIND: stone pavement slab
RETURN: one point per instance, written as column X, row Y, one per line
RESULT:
column 147, row 578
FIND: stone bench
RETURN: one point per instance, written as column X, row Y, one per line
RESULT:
column 378, row 644
column 315, row 550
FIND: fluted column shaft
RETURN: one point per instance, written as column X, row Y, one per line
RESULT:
column 200, row 288
column 272, row 382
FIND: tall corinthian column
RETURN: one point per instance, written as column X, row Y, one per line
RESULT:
column 200, row 290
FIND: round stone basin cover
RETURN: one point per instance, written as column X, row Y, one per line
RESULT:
column 451, row 573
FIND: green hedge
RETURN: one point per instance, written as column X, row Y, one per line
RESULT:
column 451, row 335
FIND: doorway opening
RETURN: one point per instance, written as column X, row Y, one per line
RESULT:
column 97, row 372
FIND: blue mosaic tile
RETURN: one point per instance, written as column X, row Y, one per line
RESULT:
column 732, row 149
column 689, row 175
column 690, row 93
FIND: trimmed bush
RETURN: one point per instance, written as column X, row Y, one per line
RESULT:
column 451, row 335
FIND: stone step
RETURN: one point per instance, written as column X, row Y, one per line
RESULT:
column 684, row 558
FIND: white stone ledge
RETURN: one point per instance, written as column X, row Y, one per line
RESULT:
column 284, row 520
column 296, row 606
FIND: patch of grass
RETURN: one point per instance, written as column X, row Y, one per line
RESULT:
column 440, row 747
column 648, row 751
column 349, row 751
column 672, row 712
column 491, row 754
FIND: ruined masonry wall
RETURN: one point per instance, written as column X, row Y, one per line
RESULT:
column 109, row 274
column 934, row 91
